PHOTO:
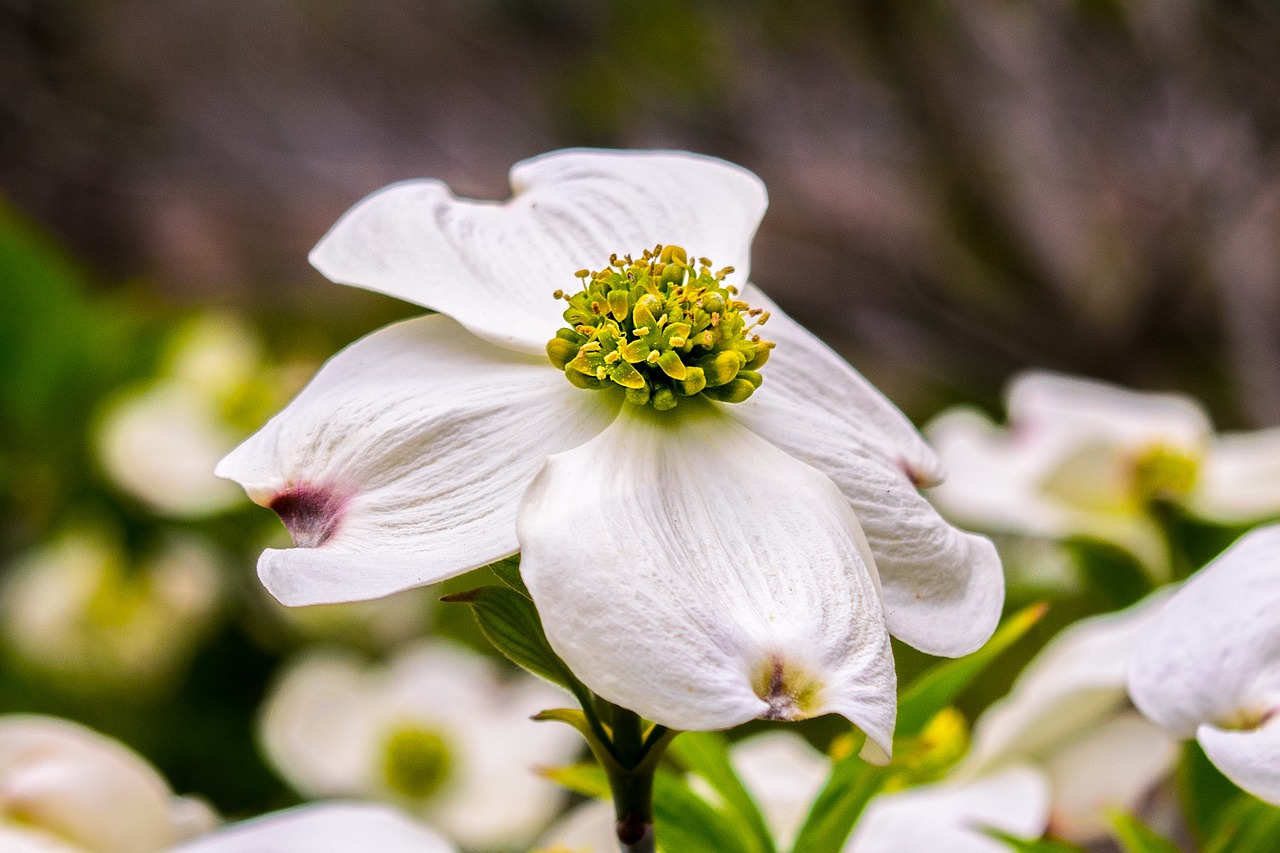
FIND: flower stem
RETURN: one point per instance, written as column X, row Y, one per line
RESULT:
column 636, row 753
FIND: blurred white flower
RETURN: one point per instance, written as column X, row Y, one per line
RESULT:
column 1208, row 664
column 159, row 441
column 324, row 828
column 1085, row 458
column 67, row 789
column 438, row 730
column 951, row 816
column 784, row 774
column 76, row 610
column 1069, row 716
column 725, row 541
column 377, row 624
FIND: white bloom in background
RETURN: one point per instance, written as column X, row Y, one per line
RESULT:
column 438, row 731
column 76, row 610
column 324, row 828
column 1086, row 458
column 379, row 624
column 784, row 774
column 160, row 440
column 725, row 542
column 1208, row 665
column 951, row 816
column 1068, row 714
column 67, row 789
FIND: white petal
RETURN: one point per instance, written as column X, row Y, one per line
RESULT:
column 1078, row 406
column 1212, row 653
column 784, row 774
column 498, row 745
column 943, row 588
column 403, row 462
column 1076, row 683
column 1248, row 758
column 331, row 827
column 587, row 828
column 81, row 786
column 1240, row 479
column 1013, row 480
column 805, row 373
column 690, row 571
column 494, row 266
column 1114, row 765
column 318, row 726
column 25, row 839
column 951, row 817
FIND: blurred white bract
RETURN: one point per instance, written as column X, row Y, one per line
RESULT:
column 756, row 555
column 1069, row 716
column 78, row 612
column 1084, row 458
column 67, row 789
column 438, row 730
column 160, row 440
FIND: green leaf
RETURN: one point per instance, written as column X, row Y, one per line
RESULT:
column 510, row 621
column 1207, row 796
column 686, row 823
column 1248, row 825
column 1136, row 837
column 586, row 779
column 706, row 754
column 935, row 688
column 851, row 784
column 1040, row 845
column 508, row 571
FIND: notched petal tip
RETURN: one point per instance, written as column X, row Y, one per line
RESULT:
column 790, row 692
column 311, row 514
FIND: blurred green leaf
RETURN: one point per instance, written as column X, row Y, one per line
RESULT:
column 1039, row 845
column 686, row 823
column 850, row 786
column 1110, row 570
column 706, row 754
column 1246, row 826
column 937, row 687
column 1136, row 837
column 1207, row 796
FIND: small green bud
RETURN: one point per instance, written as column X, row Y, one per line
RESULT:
column 663, row 399
column 583, row 381
column 760, row 358
column 694, row 381
column 731, row 392
column 751, row 376
column 672, row 365
column 638, row 396
column 561, row 351
column 721, row 367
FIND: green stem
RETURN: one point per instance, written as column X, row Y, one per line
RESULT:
column 631, row 782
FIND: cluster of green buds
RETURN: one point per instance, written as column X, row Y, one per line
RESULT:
column 662, row 330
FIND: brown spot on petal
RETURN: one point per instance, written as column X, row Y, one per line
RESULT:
column 310, row 513
column 790, row 692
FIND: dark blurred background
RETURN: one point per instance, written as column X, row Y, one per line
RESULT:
column 958, row 190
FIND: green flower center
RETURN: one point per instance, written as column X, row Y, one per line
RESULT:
column 662, row 330
column 416, row 762
column 1164, row 473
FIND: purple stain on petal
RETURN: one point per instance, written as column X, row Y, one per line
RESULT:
column 310, row 513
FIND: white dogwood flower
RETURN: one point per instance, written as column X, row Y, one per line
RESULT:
column 436, row 730
column 709, row 539
column 67, row 789
column 1208, row 665
column 1069, row 716
column 1086, row 458
column 952, row 816
column 335, row 827
column 76, row 610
